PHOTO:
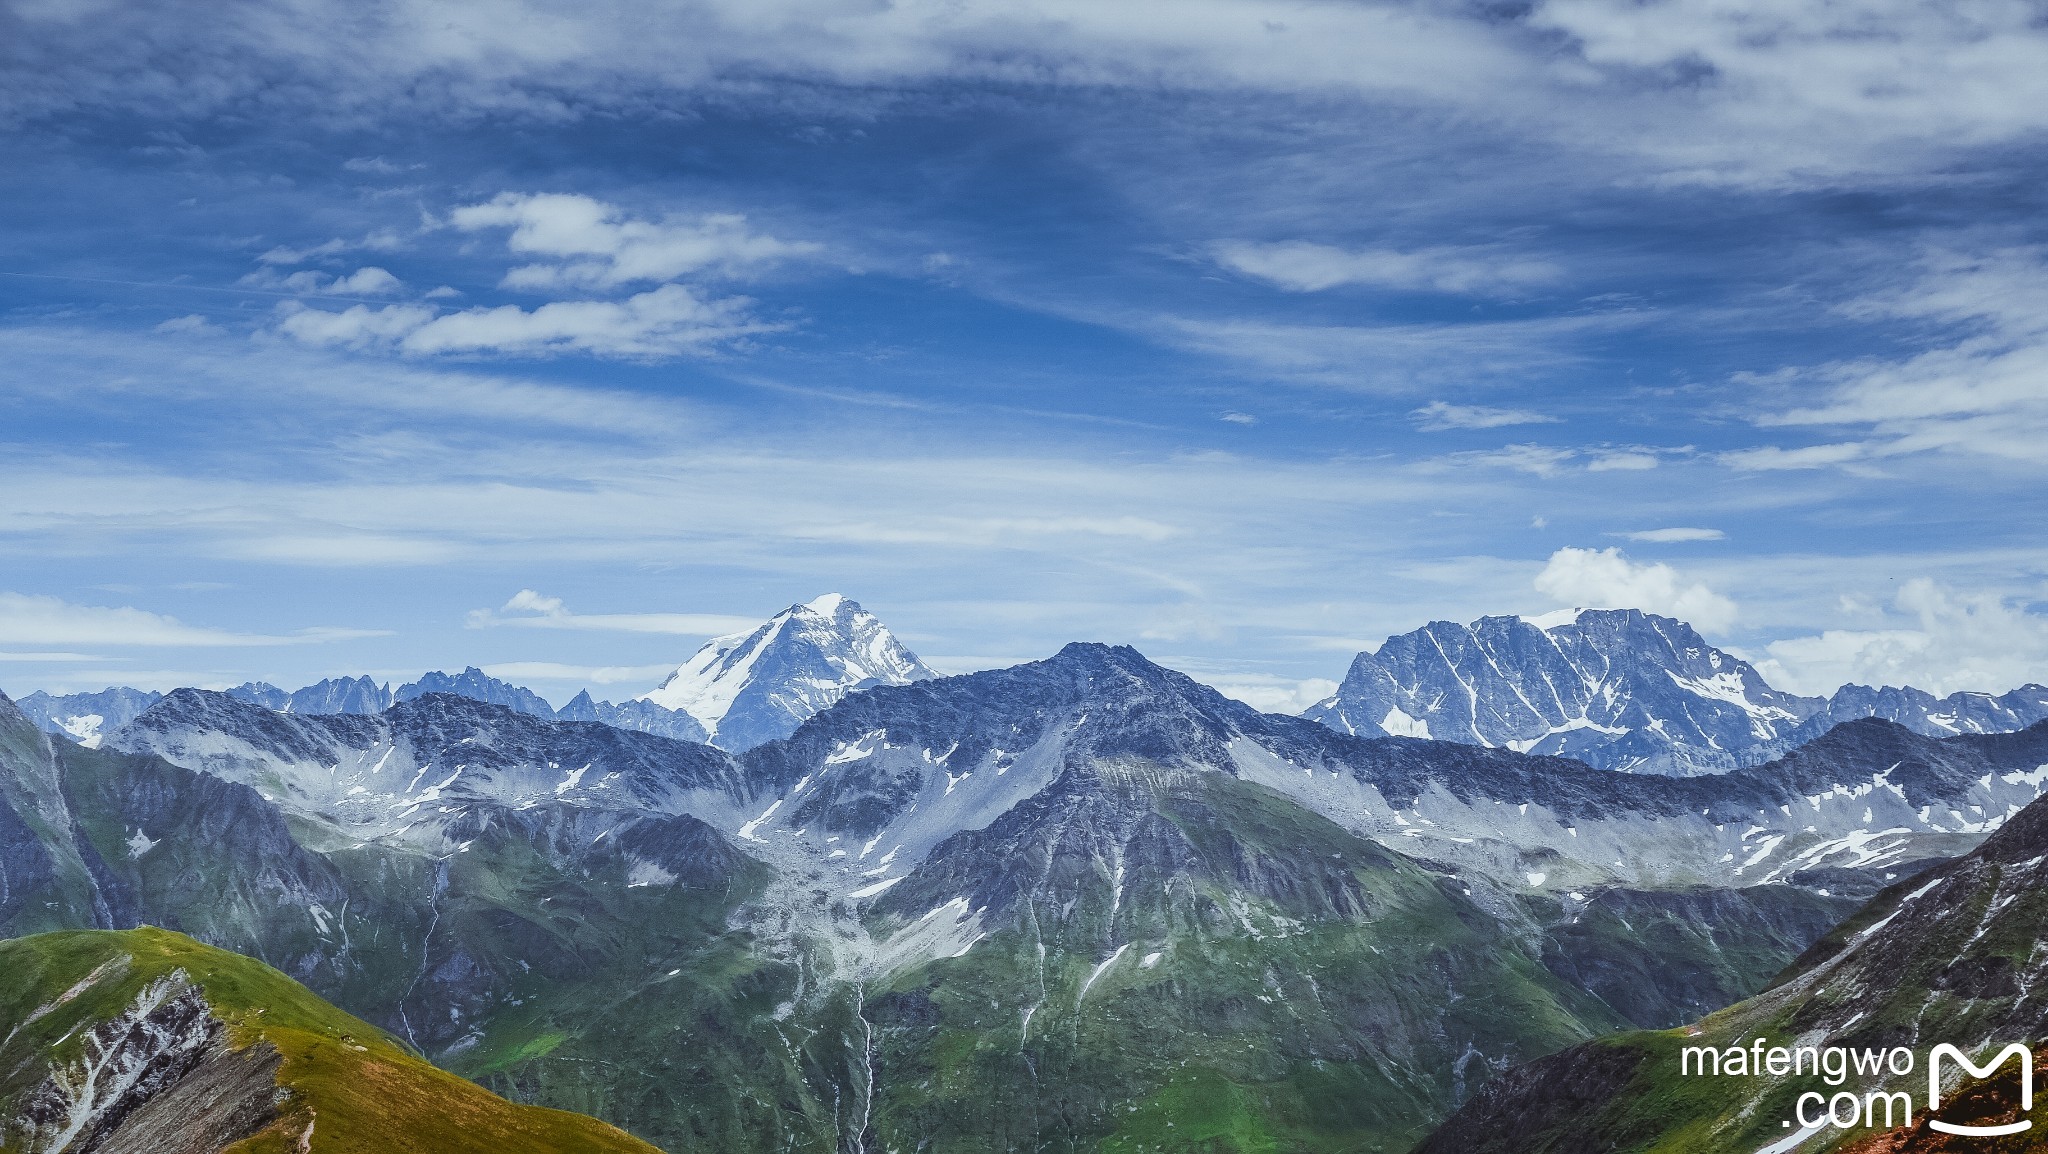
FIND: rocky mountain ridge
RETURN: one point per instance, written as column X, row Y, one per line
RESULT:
column 1621, row 689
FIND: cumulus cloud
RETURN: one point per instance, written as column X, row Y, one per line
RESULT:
column 1934, row 638
column 1438, row 416
column 672, row 320
column 529, row 609
column 378, row 240
column 368, row 281
column 29, row 619
column 1605, row 579
column 596, row 245
column 1303, row 266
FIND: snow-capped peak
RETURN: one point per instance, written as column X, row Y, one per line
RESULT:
column 752, row 687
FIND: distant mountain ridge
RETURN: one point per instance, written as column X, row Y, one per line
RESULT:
column 1620, row 689
column 333, row 695
column 736, row 692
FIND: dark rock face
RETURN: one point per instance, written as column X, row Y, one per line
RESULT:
column 1664, row 958
column 228, row 1096
column 1538, row 1108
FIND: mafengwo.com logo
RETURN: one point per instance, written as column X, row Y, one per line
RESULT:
column 1847, row 1109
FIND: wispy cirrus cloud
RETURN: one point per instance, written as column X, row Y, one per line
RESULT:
column 1440, row 416
column 1306, row 266
column 1673, row 535
column 1694, row 90
column 670, row 321
column 30, row 619
column 1978, row 390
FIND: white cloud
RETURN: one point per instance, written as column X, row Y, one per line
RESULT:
column 28, row 619
column 1438, row 416
column 672, row 320
column 364, row 282
column 1540, row 460
column 1605, row 579
column 1269, row 694
column 528, row 609
column 1984, row 391
column 1302, row 266
column 1668, row 536
column 380, row 240
column 1771, row 457
column 1387, row 358
column 597, row 246
column 1621, row 462
column 191, row 324
column 1795, row 91
column 1940, row 641
column 49, row 657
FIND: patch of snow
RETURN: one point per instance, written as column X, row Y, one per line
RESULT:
column 879, row 887
column 1106, row 963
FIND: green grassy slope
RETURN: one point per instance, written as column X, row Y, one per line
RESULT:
column 357, row 1089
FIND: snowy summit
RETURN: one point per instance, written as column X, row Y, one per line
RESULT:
column 754, row 687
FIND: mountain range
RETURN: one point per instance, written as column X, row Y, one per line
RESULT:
column 1082, row 902
column 1621, row 689
column 1079, row 903
column 736, row 692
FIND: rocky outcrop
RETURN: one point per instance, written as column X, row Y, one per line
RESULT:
column 158, row 1077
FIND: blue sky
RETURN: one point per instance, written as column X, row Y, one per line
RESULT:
column 1244, row 332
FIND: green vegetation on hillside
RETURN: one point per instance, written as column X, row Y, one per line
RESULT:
column 352, row 1088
